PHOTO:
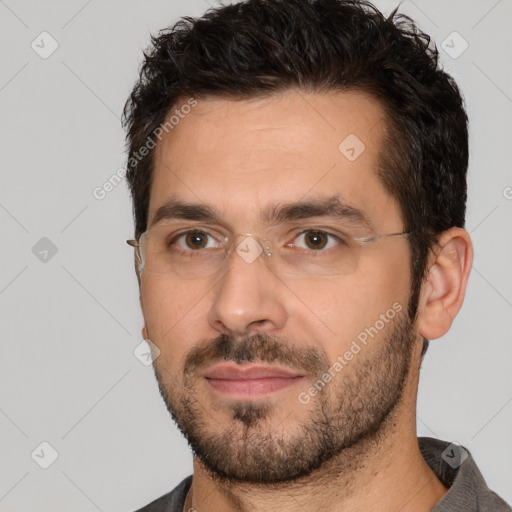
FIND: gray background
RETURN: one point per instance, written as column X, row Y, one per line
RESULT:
column 70, row 323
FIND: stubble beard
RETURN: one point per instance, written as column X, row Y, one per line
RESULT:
column 352, row 409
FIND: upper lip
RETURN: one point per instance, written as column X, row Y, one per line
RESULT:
column 247, row 372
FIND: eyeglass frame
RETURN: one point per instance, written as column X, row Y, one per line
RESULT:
column 135, row 243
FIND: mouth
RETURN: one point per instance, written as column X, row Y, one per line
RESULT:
column 250, row 381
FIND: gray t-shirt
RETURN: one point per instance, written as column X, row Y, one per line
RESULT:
column 455, row 467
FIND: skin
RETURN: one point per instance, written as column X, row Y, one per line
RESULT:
column 241, row 156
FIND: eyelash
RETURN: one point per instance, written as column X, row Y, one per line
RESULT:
column 339, row 240
column 172, row 240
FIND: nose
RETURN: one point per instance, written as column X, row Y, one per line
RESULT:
column 249, row 297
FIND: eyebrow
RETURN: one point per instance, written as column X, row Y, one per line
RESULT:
column 331, row 207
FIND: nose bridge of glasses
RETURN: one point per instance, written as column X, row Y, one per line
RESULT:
column 249, row 246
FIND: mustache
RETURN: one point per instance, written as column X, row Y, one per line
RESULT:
column 260, row 347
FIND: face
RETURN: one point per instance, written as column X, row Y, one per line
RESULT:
column 270, row 374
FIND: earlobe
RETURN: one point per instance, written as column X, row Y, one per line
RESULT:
column 443, row 291
column 144, row 329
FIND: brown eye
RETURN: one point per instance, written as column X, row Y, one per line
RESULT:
column 196, row 240
column 316, row 239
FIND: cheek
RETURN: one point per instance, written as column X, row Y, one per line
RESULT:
column 350, row 305
column 169, row 311
column 345, row 308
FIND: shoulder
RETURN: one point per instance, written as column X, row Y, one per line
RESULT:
column 172, row 501
column 455, row 467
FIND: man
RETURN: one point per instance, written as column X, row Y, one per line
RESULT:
column 298, row 172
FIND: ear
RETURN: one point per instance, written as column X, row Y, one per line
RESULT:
column 443, row 290
column 144, row 329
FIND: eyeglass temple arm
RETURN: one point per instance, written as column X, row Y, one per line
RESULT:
column 135, row 243
column 375, row 237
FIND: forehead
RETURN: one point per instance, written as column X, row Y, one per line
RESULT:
column 241, row 156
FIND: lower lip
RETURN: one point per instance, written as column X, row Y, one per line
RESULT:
column 252, row 387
